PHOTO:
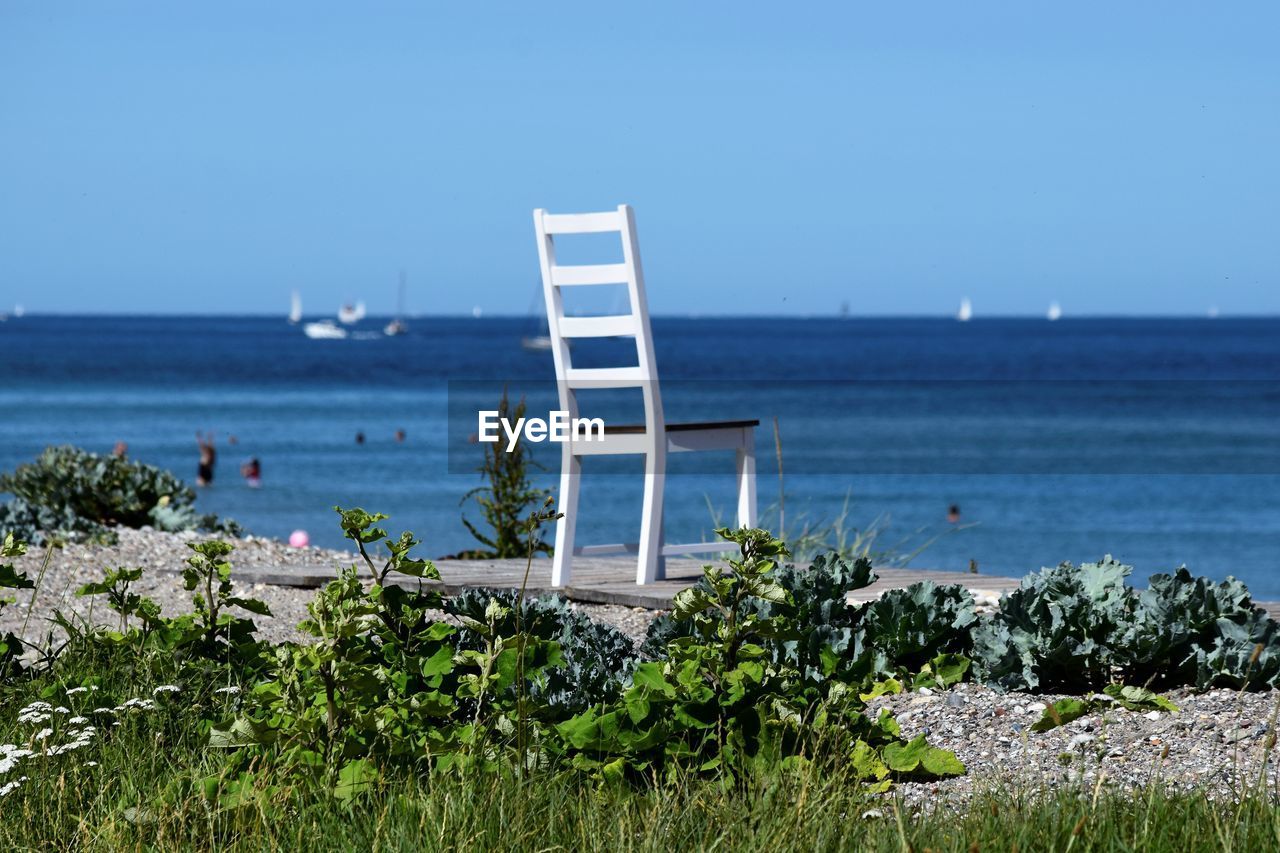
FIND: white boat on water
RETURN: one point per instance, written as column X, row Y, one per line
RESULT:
column 536, row 343
column 324, row 330
column 1055, row 312
column 349, row 314
column 295, row 308
column 966, row 310
column 18, row 311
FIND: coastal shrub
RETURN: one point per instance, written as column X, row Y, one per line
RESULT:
column 595, row 657
column 210, row 636
column 717, row 703
column 383, row 684
column 506, row 499
column 382, row 679
column 71, row 492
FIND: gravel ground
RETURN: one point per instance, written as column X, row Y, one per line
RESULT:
column 1215, row 743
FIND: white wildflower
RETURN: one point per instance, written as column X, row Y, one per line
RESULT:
column 230, row 691
column 43, row 733
column 61, row 710
column 72, row 691
column 10, row 787
column 140, row 704
column 37, row 706
column 91, row 764
column 34, row 717
column 77, row 720
column 165, row 688
column 104, row 710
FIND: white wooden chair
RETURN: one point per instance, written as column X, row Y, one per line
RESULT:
column 655, row 438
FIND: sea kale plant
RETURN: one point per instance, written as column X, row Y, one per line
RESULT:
column 920, row 634
column 596, row 658
column 1195, row 631
column 69, row 492
column 1070, row 629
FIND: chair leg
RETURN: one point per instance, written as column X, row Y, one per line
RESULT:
column 650, row 566
column 562, row 561
column 746, row 459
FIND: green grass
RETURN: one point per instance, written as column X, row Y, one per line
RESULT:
column 145, row 793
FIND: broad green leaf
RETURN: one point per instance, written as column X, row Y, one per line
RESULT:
column 1062, row 712
column 355, row 777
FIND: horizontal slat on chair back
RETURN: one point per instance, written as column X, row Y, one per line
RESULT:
column 599, row 327
column 582, row 223
column 605, row 377
column 568, row 276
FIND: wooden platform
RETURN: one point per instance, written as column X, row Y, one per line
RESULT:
column 606, row 580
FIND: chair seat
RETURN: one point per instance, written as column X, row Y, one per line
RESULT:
column 627, row 429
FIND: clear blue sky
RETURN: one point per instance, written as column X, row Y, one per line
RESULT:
column 175, row 157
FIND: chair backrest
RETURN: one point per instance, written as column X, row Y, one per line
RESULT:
column 635, row 323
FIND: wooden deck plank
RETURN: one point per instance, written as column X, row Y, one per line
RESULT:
column 605, row 580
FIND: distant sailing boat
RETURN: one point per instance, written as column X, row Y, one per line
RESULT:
column 398, row 326
column 18, row 311
column 537, row 342
column 295, row 308
column 966, row 310
column 1055, row 311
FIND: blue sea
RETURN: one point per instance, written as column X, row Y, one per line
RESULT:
column 1155, row 440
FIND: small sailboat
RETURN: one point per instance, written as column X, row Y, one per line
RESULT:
column 18, row 311
column 966, row 310
column 349, row 314
column 295, row 308
column 1055, row 312
column 535, row 341
column 397, row 326
column 324, row 330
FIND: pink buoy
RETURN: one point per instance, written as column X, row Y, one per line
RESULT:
column 299, row 539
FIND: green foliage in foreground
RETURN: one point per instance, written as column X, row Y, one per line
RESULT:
column 152, row 783
column 10, row 645
column 383, row 688
column 71, row 492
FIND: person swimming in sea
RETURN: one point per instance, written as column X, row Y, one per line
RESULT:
column 208, row 459
column 252, row 473
column 953, row 514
